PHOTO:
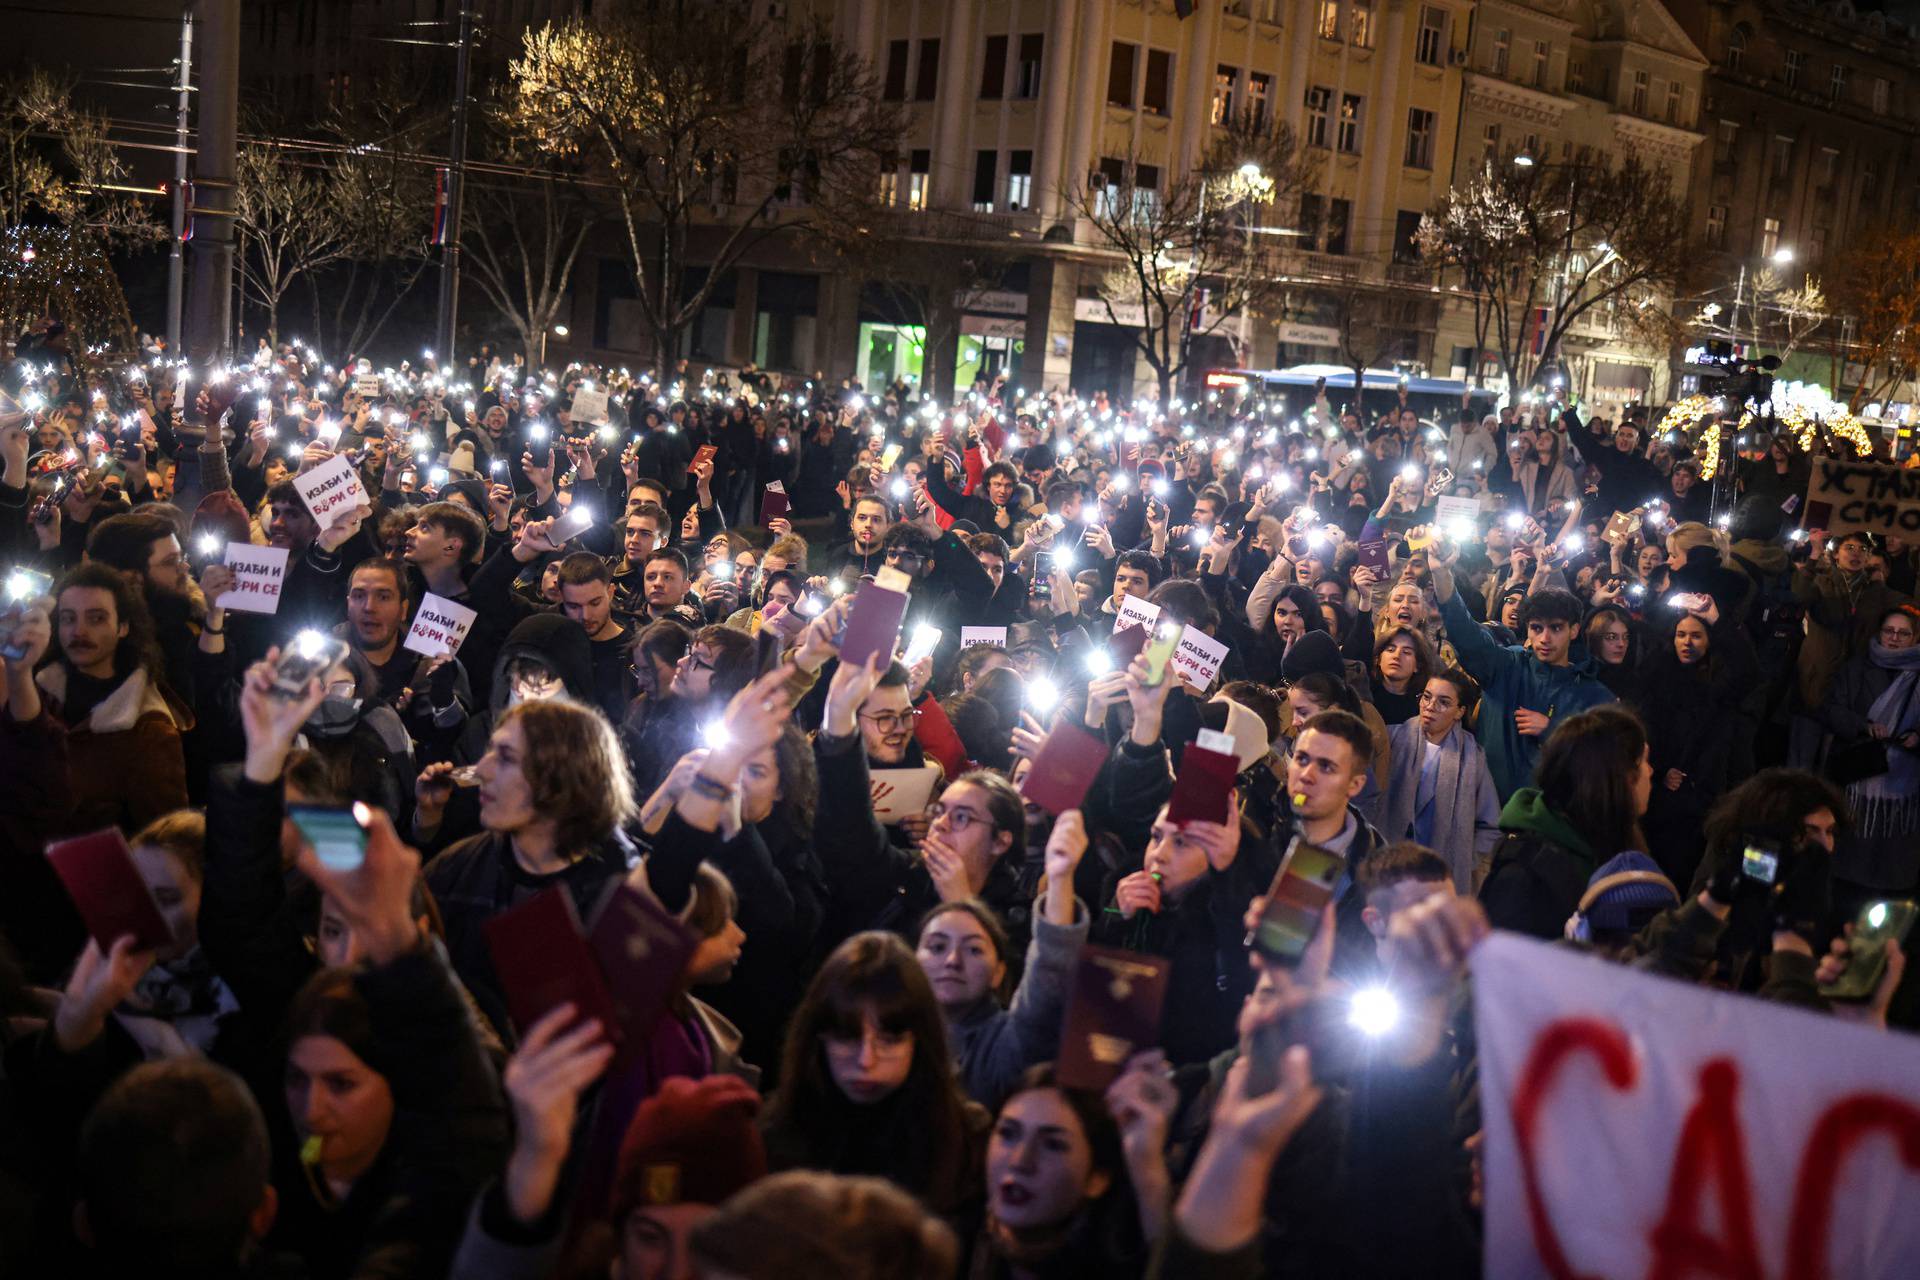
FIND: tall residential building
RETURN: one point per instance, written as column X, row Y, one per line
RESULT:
column 1813, row 111
column 1550, row 80
column 1014, row 106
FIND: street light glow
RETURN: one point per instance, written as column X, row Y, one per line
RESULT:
column 1523, row 160
column 1782, row 256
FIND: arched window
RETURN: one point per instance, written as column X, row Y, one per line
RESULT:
column 1737, row 46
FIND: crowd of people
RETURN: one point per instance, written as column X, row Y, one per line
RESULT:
column 1511, row 670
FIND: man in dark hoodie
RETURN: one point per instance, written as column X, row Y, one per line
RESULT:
column 1526, row 688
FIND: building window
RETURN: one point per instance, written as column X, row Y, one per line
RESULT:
column 1716, row 226
column 1837, row 85
column 1736, row 47
column 919, row 171
column 1769, row 236
column 1791, row 71
column 1351, row 119
column 1782, row 156
column 1363, row 24
column 1419, row 139
column 1112, row 176
column 993, row 68
column 1267, row 10
column 1026, row 71
column 1502, row 42
column 896, row 86
column 1829, row 165
column 1146, row 192
column 1530, row 145
column 1329, row 19
column 928, row 78
column 986, row 167
column 1816, row 244
column 1432, row 42
column 1638, row 103
column 1019, row 181
column 1154, row 96
column 1120, row 74
column 890, row 181
column 1406, row 227
column 1673, row 101
column 1224, row 80
column 1727, row 133
column 1490, row 142
column 1319, row 104
column 1542, row 59
column 1879, row 96
column 1261, row 100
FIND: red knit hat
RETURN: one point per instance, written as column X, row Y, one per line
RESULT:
column 694, row 1142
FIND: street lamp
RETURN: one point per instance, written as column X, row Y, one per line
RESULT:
column 1782, row 256
column 1523, row 160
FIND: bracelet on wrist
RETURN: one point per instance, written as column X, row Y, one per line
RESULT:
column 710, row 788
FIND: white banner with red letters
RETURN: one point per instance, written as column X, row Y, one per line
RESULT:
column 1639, row 1126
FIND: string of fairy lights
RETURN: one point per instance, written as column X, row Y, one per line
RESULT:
column 1705, row 424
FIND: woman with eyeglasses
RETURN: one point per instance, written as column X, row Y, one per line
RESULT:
column 868, row 1084
column 1875, row 699
column 1440, row 793
column 973, row 847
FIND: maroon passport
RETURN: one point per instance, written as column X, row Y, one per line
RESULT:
column 643, row 952
column 1113, row 1012
column 543, row 961
column 873, row 624
column 1203, row 786
column 1067, row 763
column 106, row 888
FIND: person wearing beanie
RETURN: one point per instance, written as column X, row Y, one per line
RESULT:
column 1623, row 896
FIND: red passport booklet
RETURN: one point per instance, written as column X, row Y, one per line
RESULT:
column 773, row 505
column 1113, row 1012
column 1066, row 765
column 873, row 624
column 1203, row 786
column 643, row 952
column 543, row 961
column 107, row 890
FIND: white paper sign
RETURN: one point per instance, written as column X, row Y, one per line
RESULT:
column 258, row 575
column 589, row 406
column 1633, row 1122
column 970, row 636
column 1136, row 612
column 1198, row 657
column 331, row 490
column 899, row 792
column 1448, row 510
column 367, row 385
column 439, row 625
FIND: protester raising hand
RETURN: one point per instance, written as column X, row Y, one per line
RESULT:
column 1142, row 1100
column 1148, row 701
column 98, row 984
column 1219, row 1210
column 375, row 898
column 553, row 1066
column 1066, row 845
column 846, row 692
column 270, row 719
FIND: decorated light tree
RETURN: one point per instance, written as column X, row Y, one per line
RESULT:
column 62, row 272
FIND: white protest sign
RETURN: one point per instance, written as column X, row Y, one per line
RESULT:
column 331, row 490
column 1136, row 612
column 1448, row 510
column 1637, row 1124
column 589, row 406
column 1197, row 658
column 439, row 625
column 258, row 574
column 367, row 385
column 970, row 636
column 899, row 792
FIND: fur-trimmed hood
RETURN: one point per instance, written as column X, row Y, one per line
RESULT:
column 138, row 695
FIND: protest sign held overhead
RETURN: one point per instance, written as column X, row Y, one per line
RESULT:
column 439, row 626
column 258, row 574
column 331, row 490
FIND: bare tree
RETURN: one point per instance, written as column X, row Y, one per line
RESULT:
column 1186, row 250
column 1877, row 286
column 1378, row 325
column 61, row 168
column 1539, row 246
column 290, row 223
column 703, row 116
column 523, row 236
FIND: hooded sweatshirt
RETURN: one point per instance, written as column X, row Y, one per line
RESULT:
column 1540, row 868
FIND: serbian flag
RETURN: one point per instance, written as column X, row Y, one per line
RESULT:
column 439, row 235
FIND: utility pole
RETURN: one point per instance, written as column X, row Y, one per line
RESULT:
column 456, row 192
column 210, row 306
column 182, row 143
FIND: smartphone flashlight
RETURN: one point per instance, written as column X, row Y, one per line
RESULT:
column 1099, row 662
column 496, row 467
column 1373, row 1012
column 1042, row 694
column 1515, row 520
column 1573, row 544
column 310, row 644
column 837, row 587
column 579, row 515
column 898, row 489
column 209, row 545
column 438, row 477
column 715, row 735
column 1409, row 473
